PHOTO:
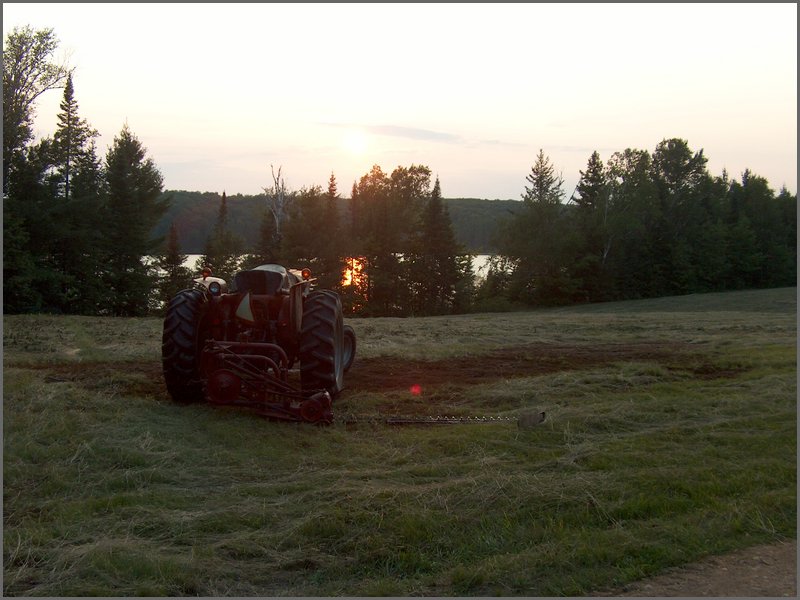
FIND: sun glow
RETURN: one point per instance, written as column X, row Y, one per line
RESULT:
column 353, row 273
column 355, row 142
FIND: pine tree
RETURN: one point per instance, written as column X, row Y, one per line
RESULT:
column 537, row 239
column 223, row 248
column 72, row 138
column 33, row 221
column 77, row 182
column 85, row 256
column 438, row 275
column 331, row 254
column 134, row 207
column 304, row 231
column 174, row 276
column 592, row 236
column 545, row 186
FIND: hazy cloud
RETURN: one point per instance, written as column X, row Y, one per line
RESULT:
column 426, row 135
column 403, row 132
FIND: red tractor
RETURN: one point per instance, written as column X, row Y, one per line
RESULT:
column 238, row 347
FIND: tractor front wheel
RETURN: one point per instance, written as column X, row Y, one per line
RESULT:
column 181, row 344
column 322, row 347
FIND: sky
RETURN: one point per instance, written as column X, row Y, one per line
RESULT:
column 220, row 94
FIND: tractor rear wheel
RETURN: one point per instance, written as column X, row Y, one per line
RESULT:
column 349, row 347
column 185, row 331
column 322, row 348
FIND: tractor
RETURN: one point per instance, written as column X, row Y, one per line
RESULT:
column 238, row 346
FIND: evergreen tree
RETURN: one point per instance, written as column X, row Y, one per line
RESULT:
column 19, row 266
column 537, row 239
column 174, row 276
column 765, row 230
column 593, row 241
column 223, row 248
column 311, row 236
column 370, row 210
column 77, row 182
column 632, row 260
column 304, row 228
column 32, row 223
column 439, row 277
column 331, row 252
column 83, row 254
column 134, row 207
column 265, row 251
column 353, row 291
column 72, row 137
column 682, row 184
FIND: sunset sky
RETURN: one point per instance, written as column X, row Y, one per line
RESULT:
column 219, row 92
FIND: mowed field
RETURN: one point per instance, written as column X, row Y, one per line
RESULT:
column 670, row 435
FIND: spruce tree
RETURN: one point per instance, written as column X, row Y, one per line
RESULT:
column 536, row 238
column 438, row 275
column 72, row 138
column 33, row 220
column 85, row 255
column 77, row 178
column 592, row 239
column 223, row 248
column 264, row 249
column 331, row 253
column 134, row 207
column 173, row 276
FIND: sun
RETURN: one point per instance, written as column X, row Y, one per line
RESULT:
column 355, row 142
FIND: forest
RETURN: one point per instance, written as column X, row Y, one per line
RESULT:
column 196, row 212
column 100, row 236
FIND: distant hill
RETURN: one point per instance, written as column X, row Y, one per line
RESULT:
column 194, row 214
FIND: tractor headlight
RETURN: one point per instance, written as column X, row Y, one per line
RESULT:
column 215, row 288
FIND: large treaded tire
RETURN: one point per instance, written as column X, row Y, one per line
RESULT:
column 181, row 344
column 322, row 343
column 349, row 347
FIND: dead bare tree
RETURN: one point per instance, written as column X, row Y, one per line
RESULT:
column 278, row 201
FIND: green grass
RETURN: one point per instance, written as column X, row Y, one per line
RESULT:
column 110, row 489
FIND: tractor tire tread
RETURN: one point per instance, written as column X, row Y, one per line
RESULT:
column 179, row 352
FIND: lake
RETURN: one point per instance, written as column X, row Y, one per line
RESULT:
column 479, row 262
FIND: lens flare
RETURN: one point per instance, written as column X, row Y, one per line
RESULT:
column 415, row 389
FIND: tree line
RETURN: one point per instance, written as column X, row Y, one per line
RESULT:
column 78, row 230
column 195, row 213
column 642, row 225
column 392, row 251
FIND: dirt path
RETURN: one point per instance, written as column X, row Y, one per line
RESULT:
column 757, row 572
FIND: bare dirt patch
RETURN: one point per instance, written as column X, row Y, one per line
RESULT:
column 388, row 373
column 761, row 571
column 140, row 378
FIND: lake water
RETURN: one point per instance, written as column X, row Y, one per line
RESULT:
column 479, row 262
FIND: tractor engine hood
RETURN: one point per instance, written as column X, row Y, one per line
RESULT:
column 269, row 280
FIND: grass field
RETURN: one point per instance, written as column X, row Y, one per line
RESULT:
column 671, row 434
